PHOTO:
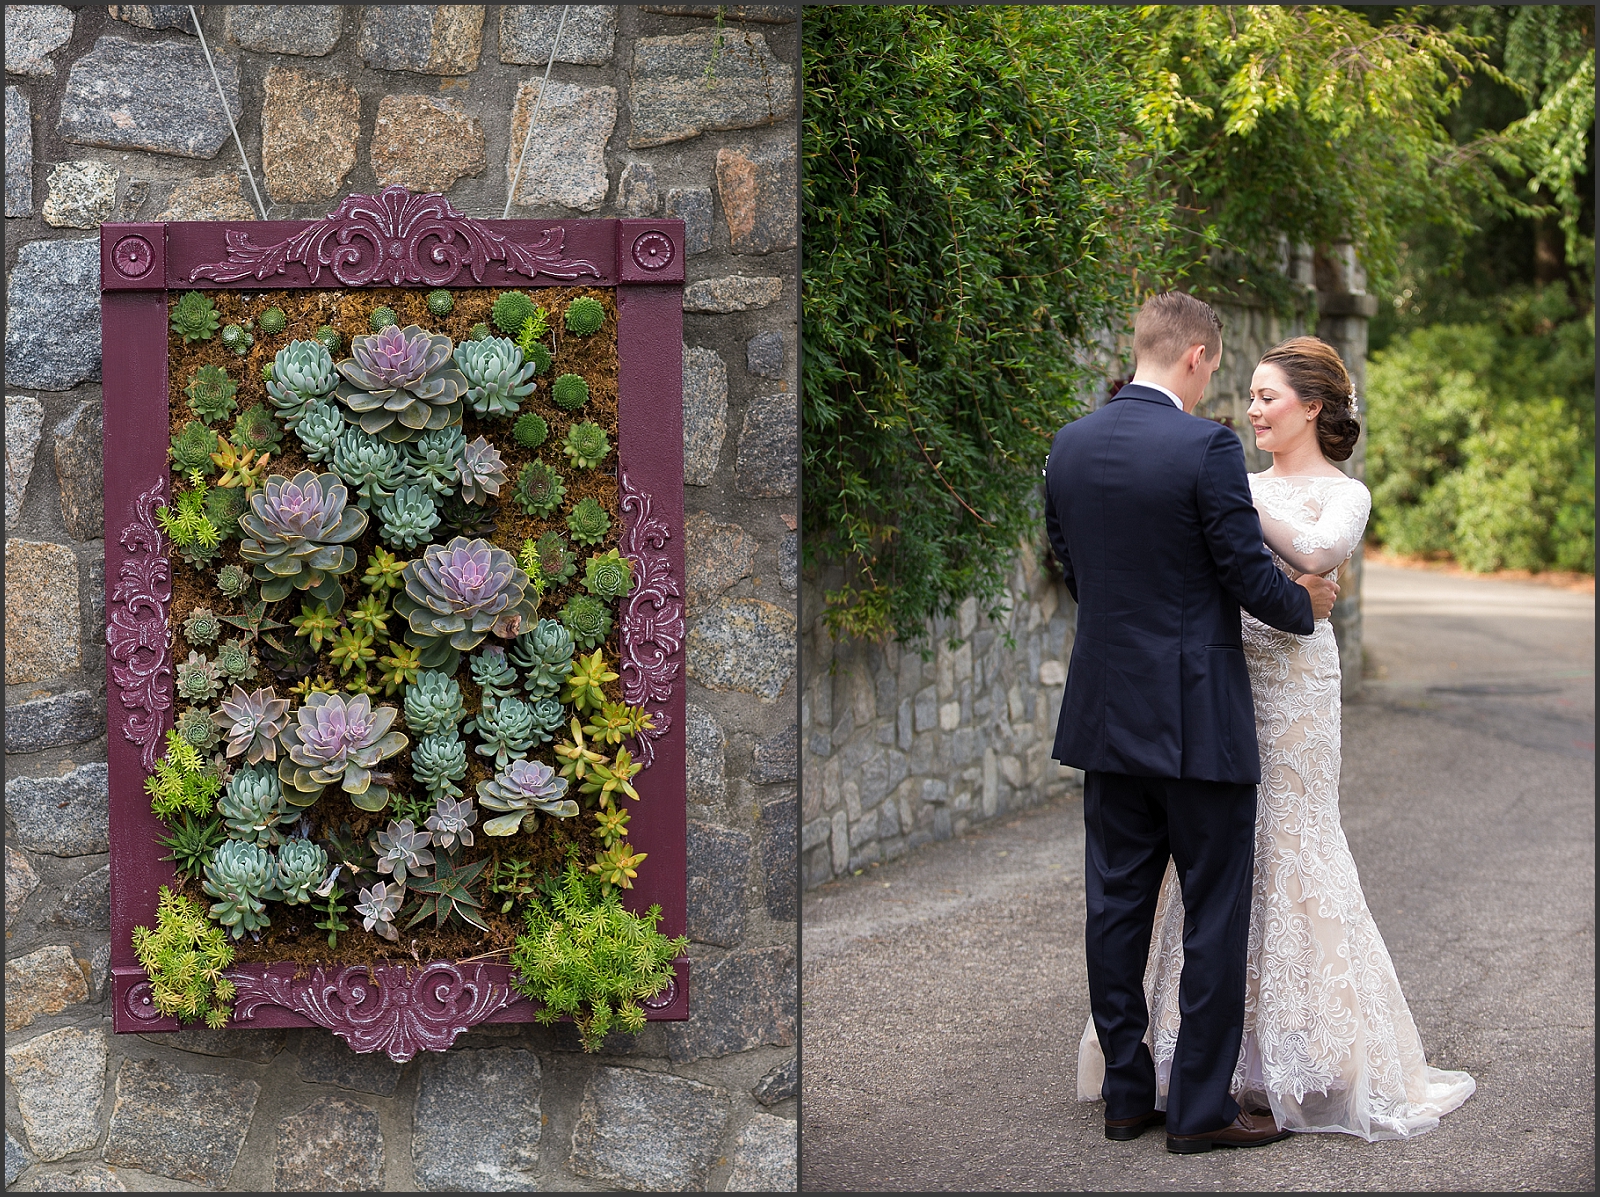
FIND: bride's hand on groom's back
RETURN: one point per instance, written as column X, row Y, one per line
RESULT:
column 1322, row 592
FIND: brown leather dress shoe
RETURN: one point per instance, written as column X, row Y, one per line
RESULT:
column 1124, row 1129
column 1247, row 1130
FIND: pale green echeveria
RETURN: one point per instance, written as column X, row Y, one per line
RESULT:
column 507, row 730
column 321, row 426
column 433, row 459
column 338, row 740
column 408, row 517
column 302, row 374
column 545, row 654
column 298, row 536
column 375, row 467
column 253, row 807
column 433, row 704
column 497, row 377
column 439, row 761
column 241, row 876
column 301, row 867
column 400, row 383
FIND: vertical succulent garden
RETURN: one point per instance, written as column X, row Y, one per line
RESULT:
column 393, row 530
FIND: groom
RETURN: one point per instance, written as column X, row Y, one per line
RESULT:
column 1149, row 513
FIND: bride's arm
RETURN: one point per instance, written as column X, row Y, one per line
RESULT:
column 1324, row 546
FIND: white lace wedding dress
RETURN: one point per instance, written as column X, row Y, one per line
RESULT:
column 1329, row 1043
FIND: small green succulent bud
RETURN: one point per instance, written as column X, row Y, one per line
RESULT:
column 539, row 489
column 408, row 517
column 202, row 627
column 194, row 317
column 382, row 318
column 511, row 311
column 273, row 321
column 211, row 392
column 319, row 430
column 586, row 445
column 557, row 562
column 530, row 430
column 330, row 338
column 608, row 576
column 192, row 449
column 588, row 522
column 587, row 619
column 570, row 392
column 256, row 429
column 538, row 355
column 545, row 654
column 233, row 581
column 585, row 315
column 480, row 332
column 236, row 339
column 441, row 302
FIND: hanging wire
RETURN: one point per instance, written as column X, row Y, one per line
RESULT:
column 533, row 119
column 228, row 112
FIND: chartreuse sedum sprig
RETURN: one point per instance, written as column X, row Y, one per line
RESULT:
column 384, row 572
column 584, row 688
column 585, row 955
column 352, row 650
column 528, row 560
column 608, row 779
column 184, row 957
column 399, row 667
column 192, row 841
column 618, row 866
column 615, row 720
column 316, row 623
column 576, row 757
column 186, row 522
column 183, row 781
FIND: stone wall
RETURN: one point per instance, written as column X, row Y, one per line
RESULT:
column 112, row 114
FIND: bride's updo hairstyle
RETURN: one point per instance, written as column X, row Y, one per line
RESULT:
column 1317, row 375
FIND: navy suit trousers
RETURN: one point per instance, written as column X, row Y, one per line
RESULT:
column 1208, row 829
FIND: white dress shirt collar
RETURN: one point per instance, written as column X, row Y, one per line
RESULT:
column 1156, row 386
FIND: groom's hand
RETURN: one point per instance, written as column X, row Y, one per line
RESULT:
column 1322, row 592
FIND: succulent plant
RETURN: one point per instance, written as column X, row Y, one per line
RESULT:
column 408, row 517
column 457, row 594
column 335, row 740
column 329, row 338
column 512, row 309
column 588, row 619
column 378, row 906
column 480, row 470
column 195, row 727
column 524, row 790
column 441, row 302
column 544, row 653
column 236, row 661
column 253, row 722
column 301, row 867
column 241, row 467
column 352, row 649
column 197, row 679
column 439, row 761
column 253, row 807
column 371, row 616
column 530, row 430
column 302, row 375
column 618, row 866
column 194, row 317
column 432, row 460
column 399, row 667
column 557, row 562
column 493, row 673
column 586, row 445
column 608, row 576
column 192, row 449
column 273, row 321
column 480, row 332
column 588, row 522
column 241, row 876
column 299, row 534
column 569, row 392
column 373, row 466
column 586, row 683
column 451, row 822
column 496, row 375
column 384, row 572
column 530, row 339
column 202, row 627
column 457, row 517
column 616, row 720
column 192, row 841
column 315, row 624
column 382, row 318
column 506, row 730
column 321, row 426
column 548, row 716
column 256, row 429
column 400, row 383
column 223, row 507
column 233, row 581
column 447, row 894
column 234, row 337
column 403, row 849
column 538, row 355
column 585, row 315
column 211, row 392
column 539, row 489
column 433, row 704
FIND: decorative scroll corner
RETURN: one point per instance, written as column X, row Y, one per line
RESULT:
column 653, row 623
column 395, row 238
column 390, row 1009
column 136, row 627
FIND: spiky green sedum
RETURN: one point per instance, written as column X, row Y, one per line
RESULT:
column 585, row 955
column 192, row 448
column 433, row 460
column 511, row 310
column 194, row 317
column 539, row 489
column 197, row 679
column 211, row 393
column 382, row 318
column 193, row 533
column 184, row 958
column 545, row 655
column 301, row 867
column 531, row 341
column 588, row 522
column 202, row 627
column 182, row 781
column 587, row 619
column 302, row 376
column 569, row 392
column 531, row 430
column 298, row 536
column 374, row 467
column 408, row 517
column 608, row 576
column 272, row 321
column 319, row 430
column 242, row 876
column 192, row 841
column 253, row 807
column 441, row 302
column 586, row 445
column 585, row 315
column 498, row 379
column 433, row 705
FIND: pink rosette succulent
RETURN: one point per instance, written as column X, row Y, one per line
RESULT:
column 400, row 382
column 335, row 739
column 252, row 723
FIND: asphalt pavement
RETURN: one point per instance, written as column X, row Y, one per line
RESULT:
column 944, row 994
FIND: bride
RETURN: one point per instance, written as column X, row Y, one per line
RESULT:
column 1329, row 1043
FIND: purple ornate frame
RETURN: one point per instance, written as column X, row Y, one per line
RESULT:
column 395, row 239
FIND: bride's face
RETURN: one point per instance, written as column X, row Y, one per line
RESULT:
column 1280, row 421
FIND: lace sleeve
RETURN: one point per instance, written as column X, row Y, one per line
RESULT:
column 1319, row 545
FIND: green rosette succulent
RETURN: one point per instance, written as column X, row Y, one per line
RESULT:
column 480, row 332
column 233, row 580
column 608, row 576
column 585, row 315
column 236, row 661
column 234, row 337
column 272, row 321
column 557, row 562
column 202, row 627
column 544, row 654
column 458, row 594
column 587, row 619
column 223, row 507
column 505, row 729
column 439, row 761
column 569, row 392
column 481, row 471
column 254, row 809
column 549, row 716
column 457, row 517
column 301, row 867
column 197, row 679
column 433, row 704
column 196, row 728
column 495, row 677
column 588, row 522
column 302, row 376
column 401, row 382
column 433, row 460
column 320, row 427
column 194, row 317
column 382, row 318
column 299, row 535
column 586, row 445
column 496, row 375
column 241, row 876
column 440, row 302
column 531, row 430
column 211, row 393
column 335, row 740
column 408, row 517
column 256, row 429
column 330, row 338
column 512, row 309
column 524, row 790
column 192, row 449
column 375, row 467
column 539, row 489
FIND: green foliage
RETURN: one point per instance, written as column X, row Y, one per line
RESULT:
column 185, row 957
column 441, row 302
column 433, row 704
column 585, row 684
column 587, row 956
column 588, row 522
column 448, row 894
column 256, row 429
column 557, row 562
column 233, row 581
column 202, row 627
column 608, row 576
column 330, row 338
column 407, row 518
column 569, row 392
column 192, row 448
column 539, row 489
column 530, row 430
column 511, row 310
column 192, row 841
column 187, row 524
column 195, row 727
column 438, row 761
column 194, row 317
column 242, row 877
column 495, row 677
column 382, row 318
column 384, row 572
column 211, row 392
column 234, row 337
column 331, row 908
column 273, row 321
column 480, row 332
column 587, row 619
column 235, row 660
column 516, row 880
column 585, row 315
column 586, row 445
column 315, row 623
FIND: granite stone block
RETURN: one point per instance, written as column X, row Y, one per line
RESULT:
column 309, row 127
column 215, row 197
column 33, row 33
column 735, row 293
column 154, row 16
column 53, row 315
column 309, row 30
column 478, row 1124
column 707, row 748
column 424, row 143
column 431, row 39
column 62, row 816
column 21, row 881
column 743, row 644
column 43, row 982
column 42, row 611
column 768, row 465
column 765, row 1159
column 779, row 856
column 648, row 1130
column 744, row 1000
column 127, row 95
column 254, row 1047
column 719, row 865
column 24, row 426
column 789, row 562
column 86, row 904
column 527, row 32
column 331, row 1146
column 80, row 470
column 566, row 161
column 692, row 205
column 776, row 758
column 757, row 187
column 325, row 1059
column 705, row 413
column 780, row 1084
column 717, row 556
column 19, row 146
column 60, row 1079
column 636, row 190
column 764, row 354
column 686, row 84
column 16, row 1159
column 186, row 1125
column 79, row 195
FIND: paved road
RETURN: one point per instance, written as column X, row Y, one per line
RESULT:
column 944, row 994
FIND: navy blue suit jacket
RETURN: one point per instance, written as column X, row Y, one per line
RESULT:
column 1149, row 512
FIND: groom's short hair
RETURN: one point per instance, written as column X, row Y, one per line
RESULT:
column 1169, row 324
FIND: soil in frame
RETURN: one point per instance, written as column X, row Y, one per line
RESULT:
column 292, row 935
